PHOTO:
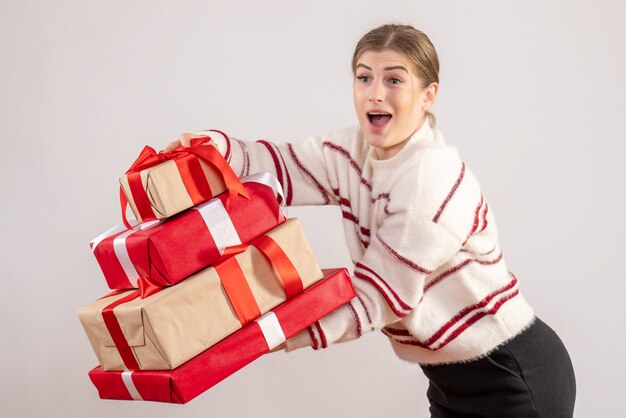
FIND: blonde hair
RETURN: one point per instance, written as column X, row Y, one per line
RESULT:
column 412, row 43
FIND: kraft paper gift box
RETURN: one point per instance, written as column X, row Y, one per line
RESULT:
column 166, row 252
column 231, row 354
column 162, row 331
column 160, row 185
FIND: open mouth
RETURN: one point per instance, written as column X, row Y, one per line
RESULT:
column 379, row 119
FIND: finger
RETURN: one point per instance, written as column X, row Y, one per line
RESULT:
column 185, row 139
column 172, row 145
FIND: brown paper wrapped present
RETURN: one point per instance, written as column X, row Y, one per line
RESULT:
column 170, row 327
column 160, row 185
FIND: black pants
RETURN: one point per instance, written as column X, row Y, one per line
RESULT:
column 529, row 376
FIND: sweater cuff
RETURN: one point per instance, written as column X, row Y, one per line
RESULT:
column 218, row 139
column 301, row 339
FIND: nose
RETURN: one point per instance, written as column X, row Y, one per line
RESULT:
column 377, row 92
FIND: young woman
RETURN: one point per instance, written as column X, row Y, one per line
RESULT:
column 427, row 265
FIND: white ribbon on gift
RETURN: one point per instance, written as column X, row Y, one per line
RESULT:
column 271, row 329
column 271, row 181
column 120, row 249
column 219, row 224
column 119, row 228
column 267, row 179
column 127, row 379
column 121, row 252
column 97, row 240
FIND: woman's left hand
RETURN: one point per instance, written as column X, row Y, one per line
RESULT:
column 184, row 139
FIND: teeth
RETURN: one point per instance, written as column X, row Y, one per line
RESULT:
column 377, row 113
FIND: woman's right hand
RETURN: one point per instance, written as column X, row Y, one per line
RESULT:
column 184, row 139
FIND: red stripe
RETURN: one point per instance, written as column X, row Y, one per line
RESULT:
column 476, row 220
column 402, row 259
column 380, row 196
column 383, row 196
column 342, row 200
column 371, row 281
column 316, row 343
column 245, row 166
column 450, row 194
column 406, row 342
column 344, row 153
column 345, row 202
column 467, row 310
column 367, row 313
column 490, row 262
column 458, row 268
column 227, row 154
column 398, row 332
column 477, row 213
column 306, row 172
column 350, row 217
column 357, row 321
column 289, row 190
column 485, row 253
column 400, row 301
column 474, row 318
column 322, row 335
column 485, row 222
column 279, row 170
column 446, row 273
column 243, row 153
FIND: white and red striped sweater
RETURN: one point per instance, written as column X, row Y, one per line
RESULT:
column 428, row 269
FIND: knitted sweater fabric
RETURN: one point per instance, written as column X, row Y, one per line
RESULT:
column 428, row 269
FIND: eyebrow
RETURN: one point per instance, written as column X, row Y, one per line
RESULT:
column 395, row 67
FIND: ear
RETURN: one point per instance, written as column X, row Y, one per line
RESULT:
column 430, row 95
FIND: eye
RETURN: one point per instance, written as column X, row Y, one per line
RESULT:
column 363, row 78
column 394, row 80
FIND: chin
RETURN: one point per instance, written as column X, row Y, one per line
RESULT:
column 376, row 138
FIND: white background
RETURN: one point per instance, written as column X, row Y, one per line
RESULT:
column 532, row 94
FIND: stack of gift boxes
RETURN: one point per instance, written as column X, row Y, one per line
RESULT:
column 212, row 277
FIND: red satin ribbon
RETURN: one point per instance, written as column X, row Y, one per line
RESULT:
column 238, row 290
column 235, row 283
column 192, row 174
column 286, row 271
column 146, row 288
column 113, row 326
column 233, row 280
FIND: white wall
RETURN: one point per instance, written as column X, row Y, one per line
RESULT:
column 532, row 93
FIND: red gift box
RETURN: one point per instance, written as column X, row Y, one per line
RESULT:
column 166, row 252
column 234, row 352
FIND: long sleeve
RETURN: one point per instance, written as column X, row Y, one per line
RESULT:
column 414, row 239
column 300, row 167
column 428, row 268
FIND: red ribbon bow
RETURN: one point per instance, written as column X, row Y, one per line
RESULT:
column 198, row 147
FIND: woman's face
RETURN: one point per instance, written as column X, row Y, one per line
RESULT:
column 389, row 100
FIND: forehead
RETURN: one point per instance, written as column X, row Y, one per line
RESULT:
column 378, row 60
